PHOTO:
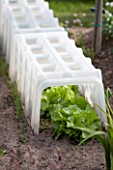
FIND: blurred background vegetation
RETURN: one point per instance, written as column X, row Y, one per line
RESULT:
column 74, row 12
column 78, row 14
column 69, row 10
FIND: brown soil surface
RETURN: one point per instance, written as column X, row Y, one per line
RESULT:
column 43, row 152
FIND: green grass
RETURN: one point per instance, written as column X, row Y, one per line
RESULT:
column 15, row 95
column 64, row 10
column 2, row 152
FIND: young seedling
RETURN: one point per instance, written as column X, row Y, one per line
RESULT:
column 2, row 151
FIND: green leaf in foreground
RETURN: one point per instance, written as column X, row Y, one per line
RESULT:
column 2, row 152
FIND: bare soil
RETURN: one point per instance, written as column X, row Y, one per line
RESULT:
column 43, row 152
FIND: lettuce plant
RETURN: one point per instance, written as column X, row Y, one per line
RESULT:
column 68, row 109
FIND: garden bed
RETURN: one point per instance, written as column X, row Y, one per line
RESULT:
column 43, row 152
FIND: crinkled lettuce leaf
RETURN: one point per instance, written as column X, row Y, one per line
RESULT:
column 67, row 109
